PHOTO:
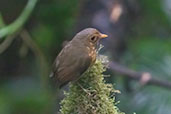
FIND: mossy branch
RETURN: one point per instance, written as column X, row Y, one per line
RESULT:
column 90, row 94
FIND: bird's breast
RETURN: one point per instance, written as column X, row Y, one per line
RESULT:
column 92, row 53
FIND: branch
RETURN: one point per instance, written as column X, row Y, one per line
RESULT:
column 144, row 78
column 7, row 42
column 26, row 37
column 18, row 23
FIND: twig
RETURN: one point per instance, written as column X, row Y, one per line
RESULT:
column 9, row 39
column 144, row 78
column 38, row 53
column 19, row 22
column 7, row 42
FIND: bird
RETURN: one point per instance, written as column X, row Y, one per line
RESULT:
column 76, row 57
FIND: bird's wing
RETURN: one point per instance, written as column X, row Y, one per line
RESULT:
column 70, row 64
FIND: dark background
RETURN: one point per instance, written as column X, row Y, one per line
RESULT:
column 139, row 39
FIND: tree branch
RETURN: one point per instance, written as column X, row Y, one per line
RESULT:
column 6, row 43
column 11, row 31
column 144, row 78
column 19, row 22
column 26, row 37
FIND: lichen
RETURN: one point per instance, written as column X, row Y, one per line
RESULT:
column 90, row 94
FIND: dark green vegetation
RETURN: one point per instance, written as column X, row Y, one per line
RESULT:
column 28, row 48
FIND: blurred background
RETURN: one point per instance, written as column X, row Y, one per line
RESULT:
column 33, row 32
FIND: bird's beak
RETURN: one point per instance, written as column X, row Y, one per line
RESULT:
column 103, row 35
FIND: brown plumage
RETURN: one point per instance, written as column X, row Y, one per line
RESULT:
column 76, row 57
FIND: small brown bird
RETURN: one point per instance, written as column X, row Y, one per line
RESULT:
column 76, row 57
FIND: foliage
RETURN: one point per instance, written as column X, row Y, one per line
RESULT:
column 18, row 97
column 154, row 57
column 57, row 19
column 90, row 94
column 148, row 48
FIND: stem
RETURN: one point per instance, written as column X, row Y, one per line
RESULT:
column 19, row 22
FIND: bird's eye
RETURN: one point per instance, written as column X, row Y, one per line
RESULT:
column 93, row 38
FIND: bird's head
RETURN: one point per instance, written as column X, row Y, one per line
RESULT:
column 89, row 36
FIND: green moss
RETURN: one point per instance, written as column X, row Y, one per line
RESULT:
column 90, row 94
